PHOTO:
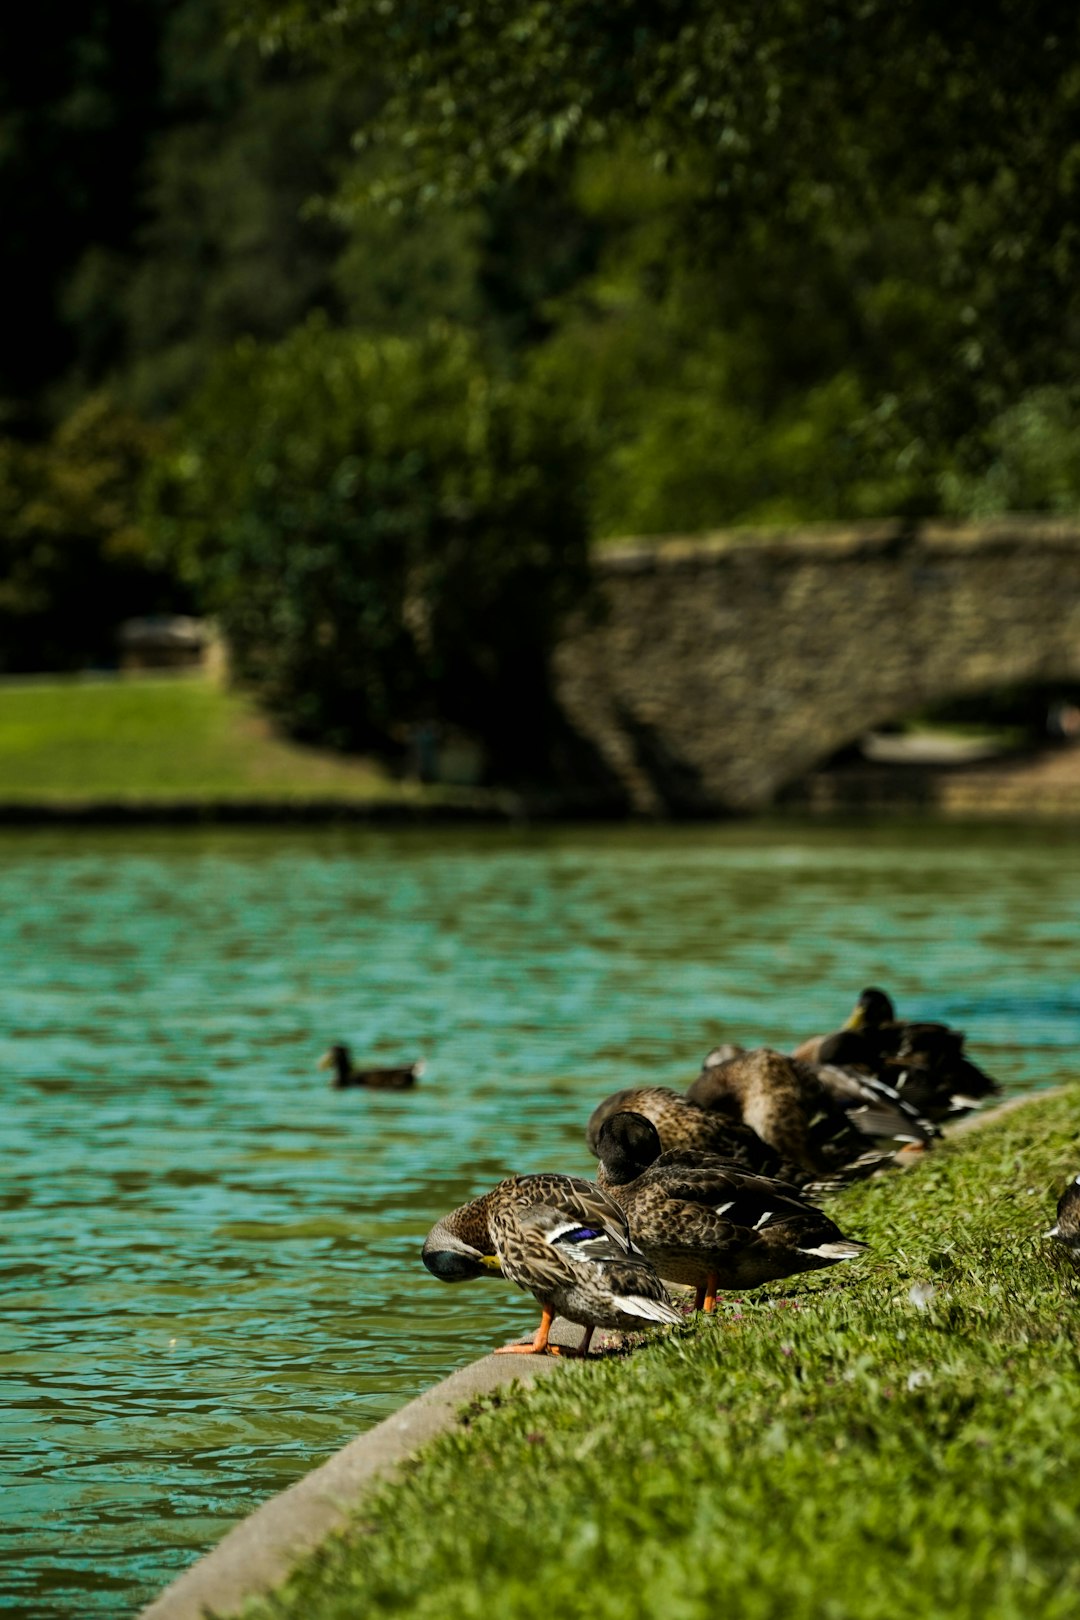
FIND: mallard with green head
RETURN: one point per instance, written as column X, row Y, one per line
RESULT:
column 706, row 1222
column 564, row 1241
column 396, row 1077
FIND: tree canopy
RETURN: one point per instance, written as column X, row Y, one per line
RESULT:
column 760, row 263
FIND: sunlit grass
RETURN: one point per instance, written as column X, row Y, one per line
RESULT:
column 888, row 1439
column 157, row 739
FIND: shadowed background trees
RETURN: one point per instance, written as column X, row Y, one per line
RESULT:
column 578, row 270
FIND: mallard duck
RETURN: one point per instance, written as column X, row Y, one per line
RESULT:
column 564, row 1241
column 822, row 1120
column 1066, row 1229
column 706, row 1222
column 683, row 1126
column 924, row 1062
column 399, row 1077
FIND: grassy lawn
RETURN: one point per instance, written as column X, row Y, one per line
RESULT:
column 892, row 1438
column 151, row 739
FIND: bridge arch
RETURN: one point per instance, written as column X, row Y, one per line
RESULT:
column 709, row 672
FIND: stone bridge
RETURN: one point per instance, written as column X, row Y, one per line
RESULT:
column 709, row 672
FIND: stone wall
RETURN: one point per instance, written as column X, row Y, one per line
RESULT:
column 708, row 672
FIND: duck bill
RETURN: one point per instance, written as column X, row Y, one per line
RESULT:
column 451, row 1265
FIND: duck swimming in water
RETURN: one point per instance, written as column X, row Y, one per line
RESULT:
column 563, row 1240
column 398, row 1077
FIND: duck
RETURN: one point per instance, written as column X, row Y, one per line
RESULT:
column 822, row 1118
column 924, row 1062
column 1066, row 1229
column 683, row 1125
column 562, row 1239
column 704, row 1221
column 397, row 1077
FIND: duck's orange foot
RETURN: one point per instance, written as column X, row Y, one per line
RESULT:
column 530, row 1349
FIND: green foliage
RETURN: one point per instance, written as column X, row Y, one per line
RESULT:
column 74, row 559
column 849, row 1445
column 388, row 531
column 1031, row 460
column 840, row 243
column 228, row 245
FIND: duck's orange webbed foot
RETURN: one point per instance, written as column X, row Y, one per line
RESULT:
column 539, row 1345
column 531, row 1349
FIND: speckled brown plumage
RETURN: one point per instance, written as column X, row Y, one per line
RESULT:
column 563, row 1240
column 1066, row 1229
column 791, row 1108
column 704, row 1221
column 683, row 1126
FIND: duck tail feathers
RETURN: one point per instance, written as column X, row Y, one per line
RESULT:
column 652, row 1310
column 846, row 1249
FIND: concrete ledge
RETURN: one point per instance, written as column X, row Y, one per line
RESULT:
column 261, row 1550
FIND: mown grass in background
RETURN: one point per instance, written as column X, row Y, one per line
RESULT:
column 153, row 739
column 891, row 1438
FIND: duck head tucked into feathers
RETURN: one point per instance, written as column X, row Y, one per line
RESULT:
column 626, row 1145
column 460, row 1246
column 705, row 1221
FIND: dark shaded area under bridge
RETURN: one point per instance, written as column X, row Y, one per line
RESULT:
column 709, row 672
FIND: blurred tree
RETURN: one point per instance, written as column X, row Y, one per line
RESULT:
column 74, row 558
column 880, row 191
column 78, row 91
column 388, row 530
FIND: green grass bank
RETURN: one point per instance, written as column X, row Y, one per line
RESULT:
column 891, row 1438
column 155, row 740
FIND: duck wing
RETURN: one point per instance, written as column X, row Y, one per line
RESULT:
column 551, row 1254
column 873, row 1106
column 737, row 1195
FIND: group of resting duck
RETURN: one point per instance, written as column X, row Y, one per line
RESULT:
column 714, row 1187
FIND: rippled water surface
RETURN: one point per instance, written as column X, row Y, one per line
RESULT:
column 209, row 1265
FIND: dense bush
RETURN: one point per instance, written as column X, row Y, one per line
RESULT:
column 74, row 559
column 387, row 530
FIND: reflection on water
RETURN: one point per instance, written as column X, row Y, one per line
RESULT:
column 210, row 1270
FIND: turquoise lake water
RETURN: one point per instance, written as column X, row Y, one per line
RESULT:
column 210, row 1265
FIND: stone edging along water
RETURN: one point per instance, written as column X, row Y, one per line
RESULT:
column 261, row 1550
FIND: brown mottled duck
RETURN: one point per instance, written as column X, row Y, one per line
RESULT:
column 684, row 1126
column 704, row 1221
column 563, row 1240
column 1066, row 1229
column 823, row 1120
column 924, row 1062
column 396, row 1077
